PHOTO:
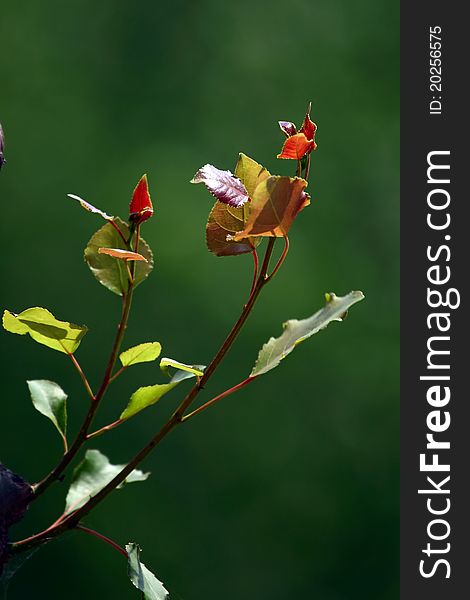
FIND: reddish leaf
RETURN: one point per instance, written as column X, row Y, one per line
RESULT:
column 275, row 204
column 309, row 128
column 226, row 221
column 288, row 128
column 296, row 147
column 122, row 254
column 222, row 185
column 89, row 207
column 141, row 207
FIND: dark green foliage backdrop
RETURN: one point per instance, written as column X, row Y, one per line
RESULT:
column 290, row 488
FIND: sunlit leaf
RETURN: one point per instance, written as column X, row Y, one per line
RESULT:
column 143, row 579
column 122, row 254
column 296, row 147
column 222, row 185
column 275, row 204
column 51, row 401
column 147, row 352
column 309, row 127
column 92, row 475
column 45, row 329
column 296, row 331
column 288, row 128
column 90, row 208
column 141, row 208
column 112, row 273
column 250, row 173
column 165, row 363
column 150, row 394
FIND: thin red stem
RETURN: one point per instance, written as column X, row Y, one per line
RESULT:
column 255, row 269
column 281, row 258
column 117, row 228
column 105, row 428
column 233, row 389
column 83, row 376
column 307, row 168
column 104, row 538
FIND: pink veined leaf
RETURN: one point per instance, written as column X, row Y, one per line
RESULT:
column 141, row 207
column 222, row 185
column 122, row 254
column 90, row 208
column 288, row 128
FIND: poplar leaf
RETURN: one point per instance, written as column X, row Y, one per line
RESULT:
column 275, row 204
column 45, row 329
column 295, row 332
column 165, row 363
column 92, row 475
column 143, row 579
column 122, row 254
column 51, row 401
column 113, row 273
column 90, row 208
column 147, row 352
column 222, row 185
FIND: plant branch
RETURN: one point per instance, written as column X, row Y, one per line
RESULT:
column 233, row 389
column 40, row 487
column 73, row 519
column 102, row 537
column 82, row 375
column 281, row 258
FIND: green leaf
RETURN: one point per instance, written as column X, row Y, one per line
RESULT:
column 150, row 394
column 109, row 271
column 45, row 329
column 147, row 352
column 92, row 475
column 165, row 363
column 143, row 579
column 51, row 401
column 295, row 331
column 250, row 173
column 146, row 396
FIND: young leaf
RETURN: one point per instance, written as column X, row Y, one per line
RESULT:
column 147, row 352
column 166, row 363
column 296, row 331
column 287, row 127
column 250, row 173
column 309, row 127
column 51, row 401
column 222, row 185
column 113, row 273
column 122, row 254
column 90, row 208
column 148, row 395
column 141, row 207
column 145, row 397
column 275, row 204
column 296, row 147
column 222, row 223
column 143, row 579
column 45, row 329
column 91, row 475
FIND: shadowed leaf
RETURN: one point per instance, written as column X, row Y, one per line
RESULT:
column 51, row 401
column 222, row 185
column 143, row 579
column 45, row 329
column 275, row 204
column 122, row 254
column 222, row 222
column 147, row 352
column 296, row 331
column 113, row 273
column 91, row 475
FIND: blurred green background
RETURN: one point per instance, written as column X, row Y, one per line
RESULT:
column 288, row 489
